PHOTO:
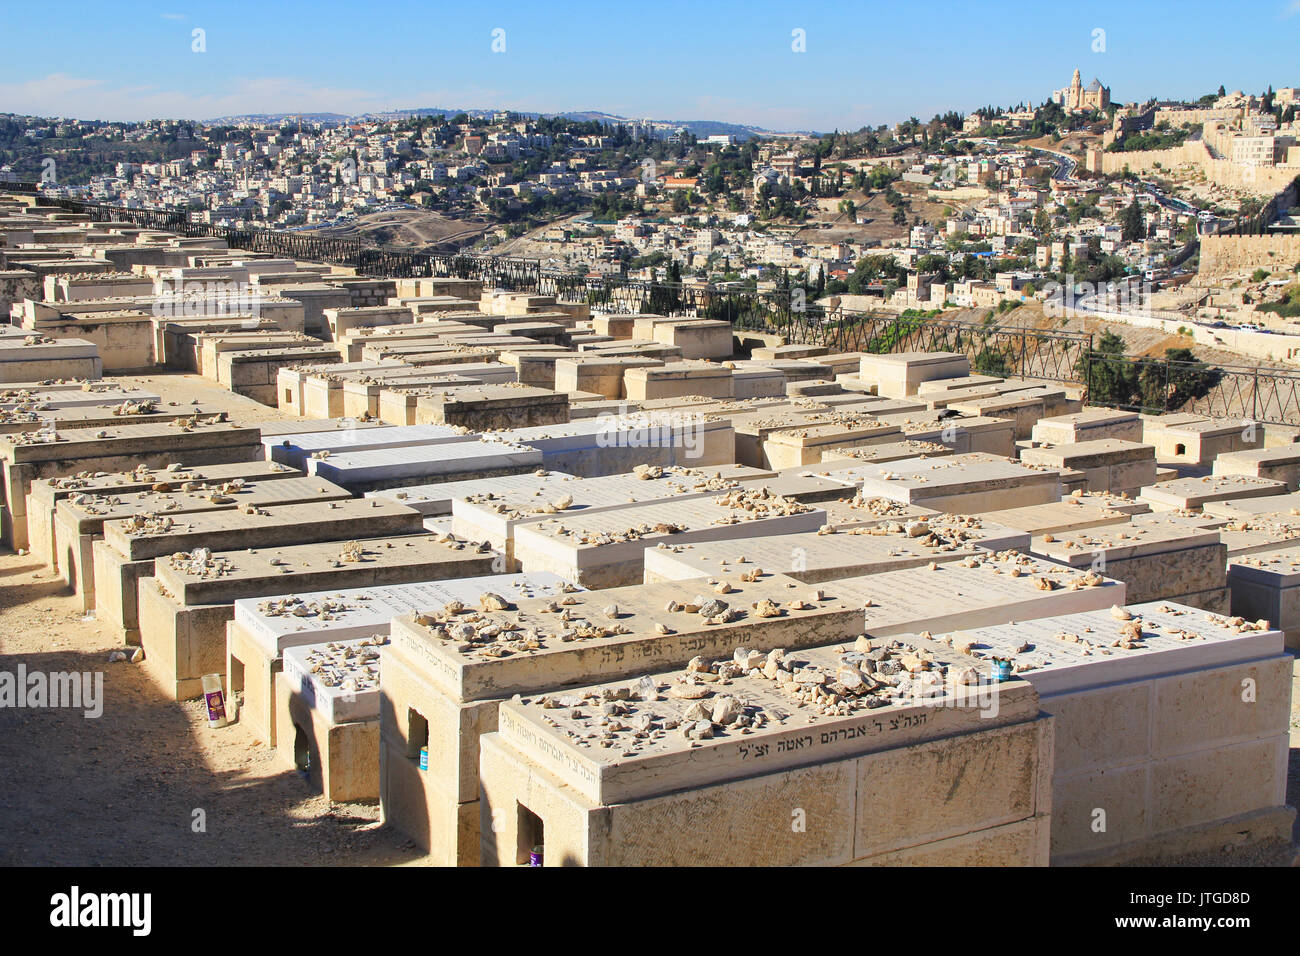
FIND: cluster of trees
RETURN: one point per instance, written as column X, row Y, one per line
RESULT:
column 1149, row 385
column 1156, row 139
column 84, row 153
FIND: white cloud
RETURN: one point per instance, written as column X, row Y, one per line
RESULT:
column 1291, row 9
column 60, row 94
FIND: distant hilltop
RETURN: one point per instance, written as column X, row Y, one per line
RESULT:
column 698, row 127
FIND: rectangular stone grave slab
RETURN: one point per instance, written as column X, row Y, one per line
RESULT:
column 1090, row 424
column 185, row 608
column 963, row 483
column 814, row 557
column 839, row 458
column 1194, row 493
column 1072, row 513
column 606, row 549
column 1109, row 464
column 27, row 457
column 340, row 757
column 1157, row 561
column 837, row 766
column 452, row 461
column 127, row 551
column 1200, row 443
column 79, row 521
column 1151, row 724
column 494, row 515
column 615, row 444
column 484, row 407
column 805, row 444
column 435, row 500
column 263, row 628
column 297, row 450
column 900, row 374
column 1281, row 464
column 46, row 493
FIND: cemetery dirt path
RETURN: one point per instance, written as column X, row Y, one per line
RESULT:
column 132, row 786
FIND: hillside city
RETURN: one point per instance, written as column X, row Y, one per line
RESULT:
column 972, row 211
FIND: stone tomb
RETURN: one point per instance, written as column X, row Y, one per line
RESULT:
column 606, row 549
column 1157, row 562
column 254, row 373
column 186, row 605
column 435, row 500
column 600, row 373
column 300, row 448
column 992, row 436
column 963, row 483
column 754, row 428
column 1281, row 464
column 129, row 547
column 444, row 693
column 1154, row 728
column 814, row 557
column 43, row 398
column 977, row 591
column 46, row 493
column 1200, row 443
column 616, row 444
column 101, row 416
column 836, row 458
column 675, row 380
column 23, row 361
column 1193, row 494
column 939, row 777
column 79, row 520
column 30, row 456
column 1108, row 464
column 484, row 407
column 1281, row 506
column 804, row 445
column 390, row 467
column 1265, row 532
column 329, row 695
column 900, row 374
column 1074, row 512
column 697, row 338
column 353, row 392
column 493, row 515
column 263, row 628
column 857, row 512
column 1090, row 424
column 1265, row 585
column 1024, row 408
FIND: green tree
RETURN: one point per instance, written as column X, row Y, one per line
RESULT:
column 1107, row 372
column 1131, row 223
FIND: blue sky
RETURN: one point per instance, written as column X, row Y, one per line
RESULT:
column 865, row 63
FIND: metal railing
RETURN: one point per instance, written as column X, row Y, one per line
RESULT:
column 1247, row 393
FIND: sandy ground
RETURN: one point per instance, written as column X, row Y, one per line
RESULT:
column 123, row 788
